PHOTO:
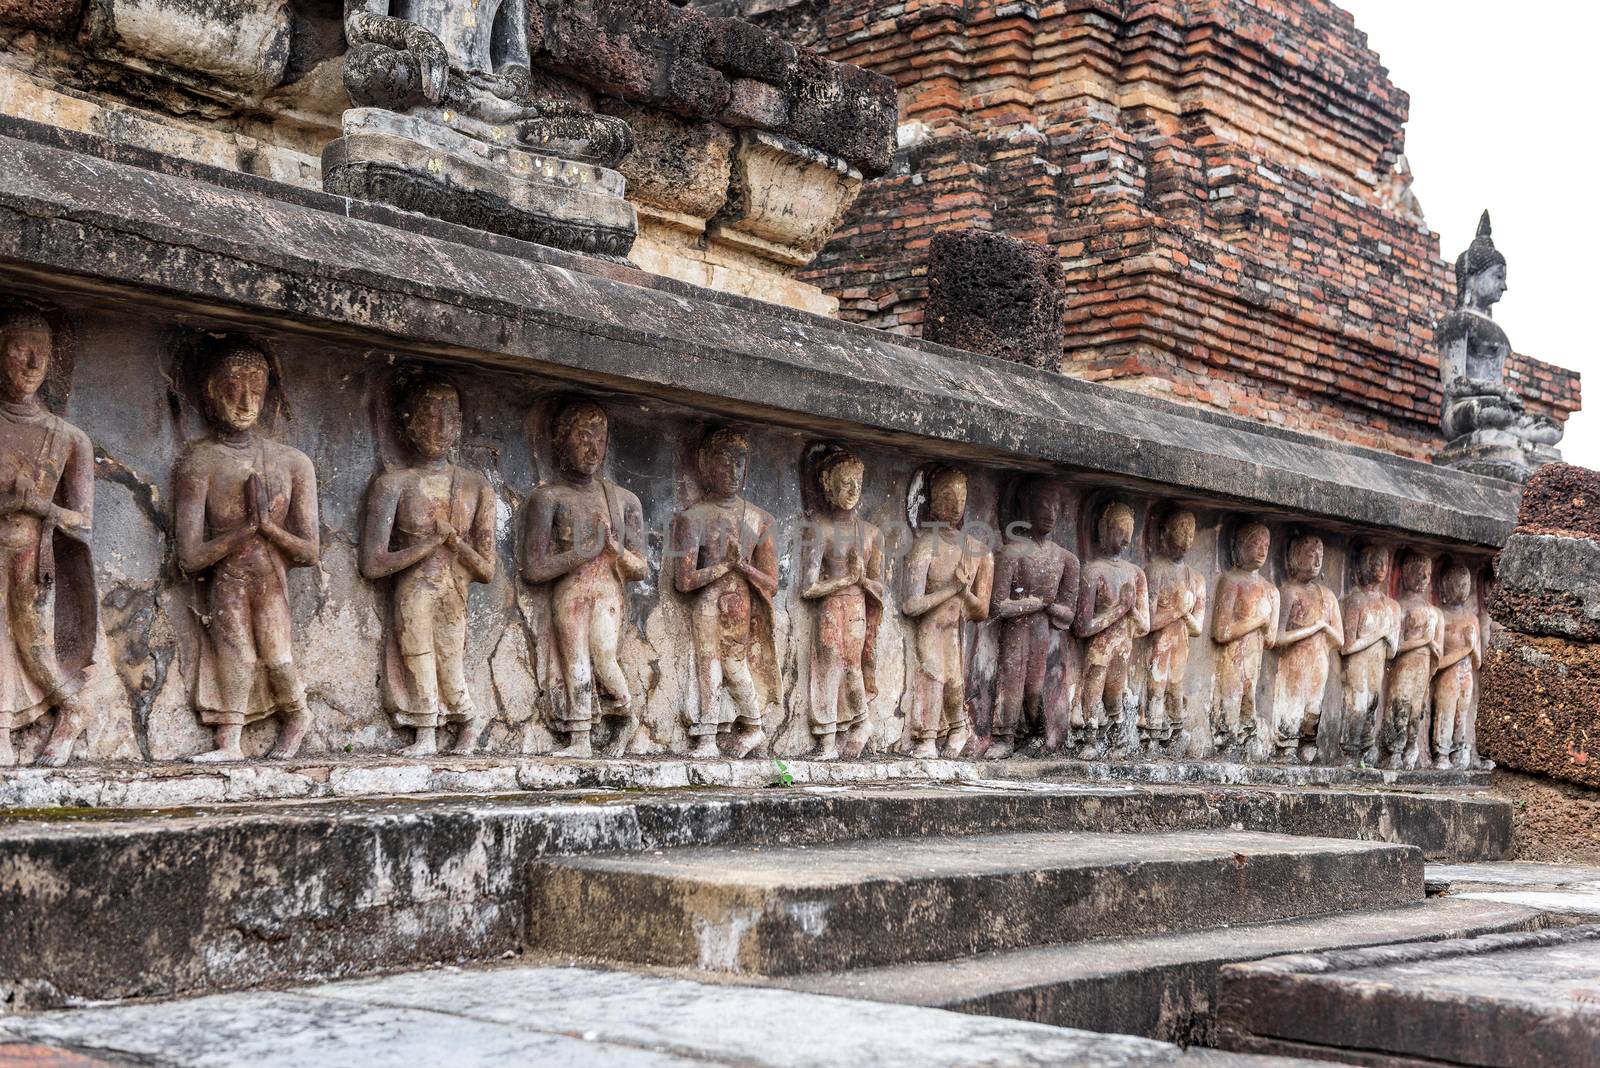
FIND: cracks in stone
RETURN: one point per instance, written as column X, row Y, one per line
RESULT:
column 143, row 646
column 146, row 495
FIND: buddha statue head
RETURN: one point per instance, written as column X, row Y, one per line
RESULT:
column 1480, row 272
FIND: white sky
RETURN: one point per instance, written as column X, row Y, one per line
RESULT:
column 1502, row 106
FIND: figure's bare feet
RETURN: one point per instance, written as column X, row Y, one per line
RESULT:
column 747, row 741
column 8, row 753
column 225, row 755
column 705, row 748
column 827, row 748
column 577, row 746
column 855, row 742
column 58, row 747
column 1308, row 754
column 425, row 745
column 1000, row 750
column 296, row 722
column 621, row 738
column 927, row 749
column 955, row 745
column 467, row 738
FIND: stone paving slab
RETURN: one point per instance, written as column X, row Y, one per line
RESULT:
column 572, row 1017
column 183, row 785
column 1558, row 889
column 1495, row 1001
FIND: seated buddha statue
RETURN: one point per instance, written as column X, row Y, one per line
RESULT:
column 1486, row 426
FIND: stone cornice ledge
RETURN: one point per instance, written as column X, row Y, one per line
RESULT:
column 237, row 250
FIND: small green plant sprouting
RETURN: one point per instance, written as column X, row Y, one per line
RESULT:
column 782, row 775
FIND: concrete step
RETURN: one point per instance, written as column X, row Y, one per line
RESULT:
column 1158, row 986
column 864, row 904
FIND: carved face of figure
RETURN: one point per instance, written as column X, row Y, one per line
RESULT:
column 1177, row 534
column 431, row 420
column 236, row 389
column 1416, row 574
column 1251, row 546
column 1305, row 558
column 724, row 459
column 1372, row 569
column 581, row 440
column 947, row 497
column 1456, row 586
column 24, row 357
column 1044, row 508
column 842, row 481
column 1116, row 528
column 1489, row 285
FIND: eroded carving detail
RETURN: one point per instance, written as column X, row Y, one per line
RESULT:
column 1113, row 610
column 1177, row 614
column 429, row 526
column 1372, row 634
column 1311, row 626
column 246, row 514
column 1411, row 674
column 1455, row 680
column 1243, row 626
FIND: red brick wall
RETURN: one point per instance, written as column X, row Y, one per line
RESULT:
column 1219, row 178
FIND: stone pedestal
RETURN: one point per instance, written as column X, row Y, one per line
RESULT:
column 1497, row 454
column 458, row 170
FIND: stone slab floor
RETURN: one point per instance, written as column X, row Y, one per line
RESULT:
column 547, row 1017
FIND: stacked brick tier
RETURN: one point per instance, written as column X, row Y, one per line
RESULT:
column 1222, row 180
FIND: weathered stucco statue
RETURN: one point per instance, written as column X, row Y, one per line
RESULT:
column 246, row 514
column 451, row 121
column 1485, row 426
column 726, row 562
column 1455, row 681
column 949, row 578
column 46, row 576
column 429, row 526
column 1411, row 676
column 1311, row 628
column 584, row 539
column 1034, row 600
column 1372, row 634
column 1244, row 625
column 841, row 573
column 1177, row 614
column 1113, row 610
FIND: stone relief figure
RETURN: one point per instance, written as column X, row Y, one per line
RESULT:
column 429, row 526
column 1113, row 610
column 841, row 572
column 1244, row 625
column 585, row 539
column 1371, row 637
column 1411, row 675
column 1177, row 614
column 725, row 560
column 1034, row 599
column 949, row 579
column 1311, row 626
column 246, row 513
column 46, row 574
column 1455, row 680
column 1485, row 426
column 443, row 60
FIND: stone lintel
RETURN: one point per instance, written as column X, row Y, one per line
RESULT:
column 293, row 260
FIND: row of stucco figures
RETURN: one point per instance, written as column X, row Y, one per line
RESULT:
column 246, row 512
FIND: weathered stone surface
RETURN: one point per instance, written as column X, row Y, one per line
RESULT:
column 605, row 44
column 1562, row 497
column 742, row 49
column 785, row 199
column 390, row 883
column 1541, row 707
column 676, row 164
column 1548, row 585
column 1159, row 986
column 54, row 15
column 753, row 103
column 242, row 45
column 1501, row 1001
column 1562, row 891
column 568, row 1017
column 843, row 110
column 996, row 295
column 778, row 911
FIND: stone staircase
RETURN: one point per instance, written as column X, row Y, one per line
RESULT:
column 1110, row 932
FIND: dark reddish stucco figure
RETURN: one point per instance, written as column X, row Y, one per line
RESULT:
column 585, row 538
column 1244, row 625
column 1411, row 677
column 726, row 562
column 246, row 513
column 949, row 579
column 1113, row 610
column 1034, row 599
column 1310, row 628
column 1455, row 680
column 46, row 577
column 841, row 571
column 1177, row 614
column 429, row 525
column 1371, row 635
